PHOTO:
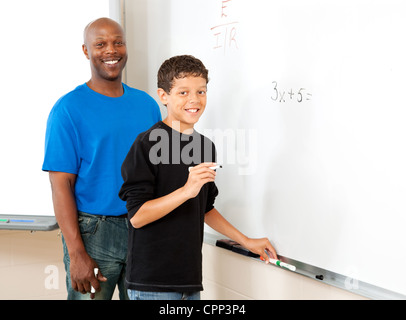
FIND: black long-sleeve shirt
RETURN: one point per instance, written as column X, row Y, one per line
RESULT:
column 165, row 255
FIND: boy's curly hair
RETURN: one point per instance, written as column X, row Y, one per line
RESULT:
column 179, row 67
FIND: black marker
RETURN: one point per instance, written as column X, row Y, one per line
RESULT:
column 212, row 168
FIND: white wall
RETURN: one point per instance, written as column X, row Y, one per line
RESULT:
column 47, row 39
column 31, row 267
column 229, row 276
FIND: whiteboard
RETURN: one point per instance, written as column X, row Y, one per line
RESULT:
column 306, row 105
column 42, row 60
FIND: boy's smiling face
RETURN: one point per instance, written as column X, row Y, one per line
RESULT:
column 185, row 102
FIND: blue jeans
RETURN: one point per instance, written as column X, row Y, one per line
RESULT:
column 145, row 295
column 106, row 241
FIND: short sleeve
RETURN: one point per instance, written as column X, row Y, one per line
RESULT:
column 61, row 143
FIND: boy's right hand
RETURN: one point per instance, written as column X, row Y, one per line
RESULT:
column 198, row 176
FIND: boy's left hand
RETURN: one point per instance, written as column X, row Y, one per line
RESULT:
column 262, row 247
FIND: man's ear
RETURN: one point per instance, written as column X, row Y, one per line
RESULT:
column 163, row 96
column 84, row 48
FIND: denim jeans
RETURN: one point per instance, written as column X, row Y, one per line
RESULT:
column 106, row 241
column 144, row 295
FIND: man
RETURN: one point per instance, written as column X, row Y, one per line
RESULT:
column 89, row 133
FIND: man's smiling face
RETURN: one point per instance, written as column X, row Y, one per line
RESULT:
column 105, row 47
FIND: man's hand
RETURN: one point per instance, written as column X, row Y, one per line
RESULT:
column 82, row 274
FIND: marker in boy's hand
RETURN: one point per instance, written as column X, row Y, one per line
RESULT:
column 213, row 168
column 198, row 176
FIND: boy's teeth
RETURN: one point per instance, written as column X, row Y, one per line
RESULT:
column 111, row 62
column 192, row 110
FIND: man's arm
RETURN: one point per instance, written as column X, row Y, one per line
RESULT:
column 81, row 264
column 260, row 246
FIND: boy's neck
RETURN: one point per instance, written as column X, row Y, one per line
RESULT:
column 178, row 126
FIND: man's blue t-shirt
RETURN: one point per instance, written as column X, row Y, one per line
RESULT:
column 89, row 134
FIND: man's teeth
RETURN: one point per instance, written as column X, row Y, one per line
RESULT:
column 192, row 110
column 111, row 62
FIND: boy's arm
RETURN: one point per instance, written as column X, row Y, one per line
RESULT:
column 260, row 246
column 155, row 209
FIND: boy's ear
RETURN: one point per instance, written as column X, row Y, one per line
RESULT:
column 163, row 96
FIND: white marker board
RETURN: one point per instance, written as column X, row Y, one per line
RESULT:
column 309, row 100
column 42, row 60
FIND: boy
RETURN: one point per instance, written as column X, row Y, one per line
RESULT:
column 170, row 191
